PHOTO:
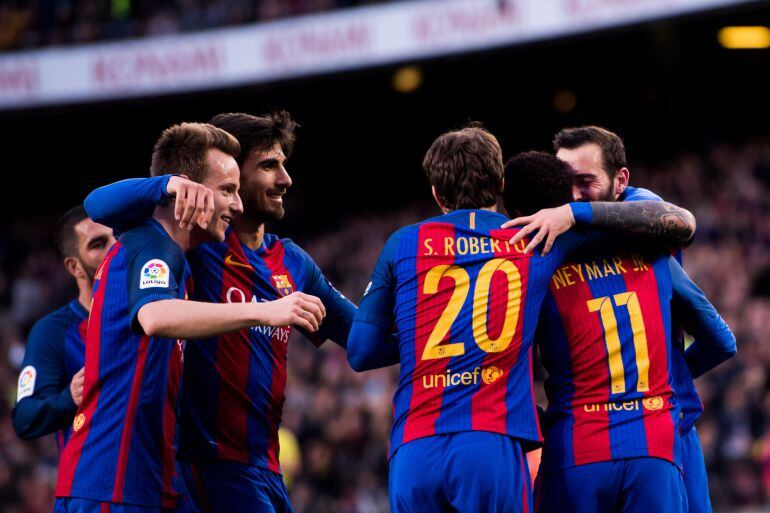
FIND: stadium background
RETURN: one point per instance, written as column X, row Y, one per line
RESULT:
column 693, row 113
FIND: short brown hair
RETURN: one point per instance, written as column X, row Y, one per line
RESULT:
column 64, row 234
column 466, row 168
column 258, row 133
column 182, row 149
column 613, row 150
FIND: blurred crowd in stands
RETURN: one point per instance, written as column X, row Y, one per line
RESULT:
column 36, row 23
column 336, row 422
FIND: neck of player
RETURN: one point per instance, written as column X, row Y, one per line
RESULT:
column 164, row 215
column 250, row 232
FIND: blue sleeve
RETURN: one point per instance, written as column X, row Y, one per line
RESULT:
column 714, row 341
column 371, row 343
column 44, row 404
column 154, row 273
column 122, row 205
column 339, row 309
column 639, row 194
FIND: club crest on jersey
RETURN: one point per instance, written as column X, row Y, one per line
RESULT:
column 653, row 403
column 26, row 382
column 491, row 374
column 155, row 273
column 80, row 419
column 282, row 284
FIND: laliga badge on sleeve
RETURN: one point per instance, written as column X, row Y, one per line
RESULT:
column 26, row 382
column 155, row 273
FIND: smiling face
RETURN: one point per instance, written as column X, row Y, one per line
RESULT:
column 264, row 181
column 590, row 180
column 222, row 177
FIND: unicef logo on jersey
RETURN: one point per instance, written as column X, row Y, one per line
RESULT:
column 155, row 273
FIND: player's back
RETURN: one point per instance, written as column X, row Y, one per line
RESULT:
column 461, row 310
column 605, row 340
column 122, row 446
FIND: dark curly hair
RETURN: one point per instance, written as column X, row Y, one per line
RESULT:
column 258, row 133
column 535, row 180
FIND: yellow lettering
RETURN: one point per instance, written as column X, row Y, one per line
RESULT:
column 578, row 270
column 426, row 383
column 521, row 245
column 441, row 378
column 484, row 245
column 495, row 245
column 567, row 277
column 474, row 245
column 428, row 248
column 608, row 268
column 558, row 279
column 590, row 408
column 449, row 243
column 507, row 246
column 629, row 405
column 462, row 246
column 593, row 271
column 467, row 378
column 619, row 265
column 455, row 379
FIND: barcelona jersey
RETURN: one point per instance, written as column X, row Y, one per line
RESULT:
column 464, row 304
column 234, row 391
column 605, row 340
column 55, row 352
column 122, row 448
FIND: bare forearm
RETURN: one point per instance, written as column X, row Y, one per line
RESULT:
column 656, row 219
column 176, row 318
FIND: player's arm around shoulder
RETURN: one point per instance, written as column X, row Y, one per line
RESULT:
column 656, row 221
column 44, row 401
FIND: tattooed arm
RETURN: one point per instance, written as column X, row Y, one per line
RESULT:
column 657, row 220
column 663, row 221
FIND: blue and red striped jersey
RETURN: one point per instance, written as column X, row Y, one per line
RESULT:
column 690, row 404
column 605, row 340
column 55, row 352
column 233, row 396
column 465, row 304
column 122, row 447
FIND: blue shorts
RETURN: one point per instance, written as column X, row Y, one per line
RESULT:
column 77, row 505
column 463, row 472
column 634, row 485
column 696, row 482
column 232, row 487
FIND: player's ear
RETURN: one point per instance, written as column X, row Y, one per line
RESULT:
column 74, row 267
column 621, row 180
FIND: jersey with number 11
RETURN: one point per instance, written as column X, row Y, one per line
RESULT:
column 465, row 304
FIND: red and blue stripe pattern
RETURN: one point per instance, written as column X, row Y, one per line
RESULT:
column 605, row 339
column 466, row 309
column 122, row 449
column 233, row 407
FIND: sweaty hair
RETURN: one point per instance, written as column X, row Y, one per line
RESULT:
column 466, row 168
column 182, row 149
column 64, row 234
column 535, row 180
column 258, row 133
column 613, row 151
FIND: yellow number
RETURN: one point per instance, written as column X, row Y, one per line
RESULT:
column 462, row 284
column 433, row 349
column 481, row 305
column 631, row 301
column 603, row 305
